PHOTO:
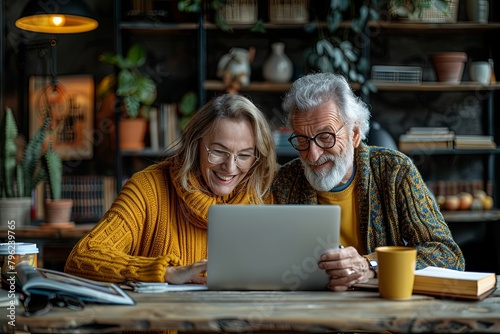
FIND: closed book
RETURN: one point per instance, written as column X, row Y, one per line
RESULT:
column 426, row 130
column 473, row 138
column 424, row 146
column 478, row 146
column 427, row 138
column 454, row 283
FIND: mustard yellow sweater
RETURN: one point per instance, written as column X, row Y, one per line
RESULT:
column 153, row 223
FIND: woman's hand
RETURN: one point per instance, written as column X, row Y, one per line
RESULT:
column 345, row 268
column 187, row 274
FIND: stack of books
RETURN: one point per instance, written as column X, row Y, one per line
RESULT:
column 163, row 126
column 92, row 196
column 474, row 142
column 426, row 138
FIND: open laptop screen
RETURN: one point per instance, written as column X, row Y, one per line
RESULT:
column 270, row 247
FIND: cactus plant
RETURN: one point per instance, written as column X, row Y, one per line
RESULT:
column 20, row 168
column 53, row 167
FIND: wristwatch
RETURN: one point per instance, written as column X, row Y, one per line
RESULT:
column 373, row 264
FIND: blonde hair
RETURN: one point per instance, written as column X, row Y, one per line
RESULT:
column 231, row 106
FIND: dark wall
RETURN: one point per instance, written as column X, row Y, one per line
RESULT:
column 29, row 54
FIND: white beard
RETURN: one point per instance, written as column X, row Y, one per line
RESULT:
column 325, row 180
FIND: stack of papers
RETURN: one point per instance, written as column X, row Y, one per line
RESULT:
column 154, row 287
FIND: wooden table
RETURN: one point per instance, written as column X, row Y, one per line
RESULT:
column 234, row 311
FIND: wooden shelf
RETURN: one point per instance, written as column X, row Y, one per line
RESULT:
column 382, row 86
column 252, row 87
column 409, row 26
column 435, row 86
column 471, row 216
column 387, row 25
column 146, row 152
column 454, row 152
column 150, row 27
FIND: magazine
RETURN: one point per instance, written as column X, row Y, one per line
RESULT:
column 39, row 281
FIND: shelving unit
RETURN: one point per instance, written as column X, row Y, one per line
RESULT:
column 209, row 37
column 423, row 98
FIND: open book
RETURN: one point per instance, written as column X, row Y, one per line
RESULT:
column 38, row 281
column 454, row 283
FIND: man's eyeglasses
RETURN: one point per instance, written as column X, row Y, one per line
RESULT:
column 244, row 161
column 323, row 140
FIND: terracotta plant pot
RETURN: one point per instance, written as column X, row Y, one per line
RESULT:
column 58, row 213
column 449, row 66
column 132, row 133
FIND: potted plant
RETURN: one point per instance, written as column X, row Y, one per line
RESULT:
column 415, row 9
column 20, row 170
column 333, row 50
column 187, row 106
column 137, row 91
column 57, row 209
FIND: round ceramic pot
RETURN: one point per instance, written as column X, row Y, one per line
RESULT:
column 449, row 66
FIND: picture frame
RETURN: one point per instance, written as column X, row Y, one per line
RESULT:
column 71, row 103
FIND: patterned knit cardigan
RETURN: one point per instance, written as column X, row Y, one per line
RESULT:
column 395, row 207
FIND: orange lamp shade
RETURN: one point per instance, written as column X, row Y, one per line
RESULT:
column 69, row 17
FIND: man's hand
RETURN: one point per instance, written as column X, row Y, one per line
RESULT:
column 345, row 268
column 187, row 274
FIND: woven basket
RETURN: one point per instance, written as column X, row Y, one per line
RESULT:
column 288, row 11
column 239, row 11
column 434, row 15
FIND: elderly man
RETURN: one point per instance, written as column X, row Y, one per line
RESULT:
column 382, row 196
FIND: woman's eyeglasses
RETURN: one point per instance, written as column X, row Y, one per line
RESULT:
column 324, row 140
column 243, row 161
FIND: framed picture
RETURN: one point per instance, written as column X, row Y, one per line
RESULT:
column 70, row 103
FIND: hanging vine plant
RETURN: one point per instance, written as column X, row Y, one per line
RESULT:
column 334, row 50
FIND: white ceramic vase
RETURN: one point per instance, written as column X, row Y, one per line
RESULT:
column 278, row 67
column 478, row 10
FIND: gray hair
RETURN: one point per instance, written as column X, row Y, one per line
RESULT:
column 312, row 90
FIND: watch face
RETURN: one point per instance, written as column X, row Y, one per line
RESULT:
column 373, row 264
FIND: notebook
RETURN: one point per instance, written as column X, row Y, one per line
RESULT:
column 270, row 247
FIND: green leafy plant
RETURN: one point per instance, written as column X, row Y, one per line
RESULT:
column 20, row 163
column 187, row 105
column 333, row 50
column 137, row 88
column 200, row 6
column 415, row 8
column 54, row 170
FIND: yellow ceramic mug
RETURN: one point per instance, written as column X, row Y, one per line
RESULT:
column 396, row 271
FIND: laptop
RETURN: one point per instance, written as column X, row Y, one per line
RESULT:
column 270, row 247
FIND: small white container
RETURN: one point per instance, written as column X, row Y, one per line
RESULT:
column 12, row 254
column 480, row 71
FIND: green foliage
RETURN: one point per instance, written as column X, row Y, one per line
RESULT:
column 137, row 89
column 54, row 169
column 187, row 106
column 8, row 134
column 20, row 167
column 30, row 164
column 333, row 51
column 198, row 6
column 414, row 8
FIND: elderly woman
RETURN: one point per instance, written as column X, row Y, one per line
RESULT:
column 156, row 229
